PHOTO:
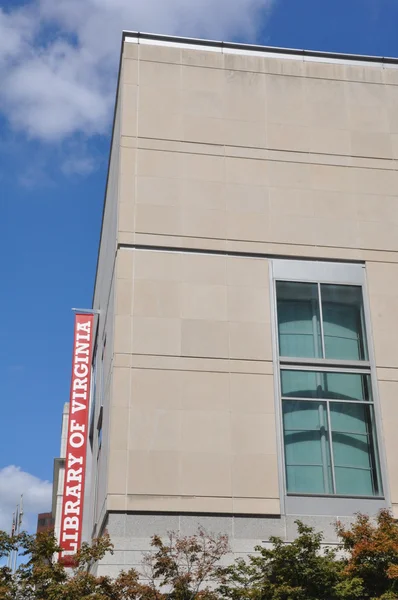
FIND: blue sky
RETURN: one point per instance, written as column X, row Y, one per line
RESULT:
column 58, row 62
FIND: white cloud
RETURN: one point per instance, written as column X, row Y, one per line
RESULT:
column 83, row 165
column 36, row 496
column 58, row 59
column 16, row 30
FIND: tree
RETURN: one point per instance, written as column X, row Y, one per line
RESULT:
column 372, row 555
column 364, row 567
column 42, row 577
column 295, row 571
column 184, row 565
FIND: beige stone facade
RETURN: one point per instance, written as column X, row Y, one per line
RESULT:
column 224, row 159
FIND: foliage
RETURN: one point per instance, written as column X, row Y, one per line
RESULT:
column 186, row 565
column 364, row 567
column 42, row 577
column 372, row 550
column 296, row 571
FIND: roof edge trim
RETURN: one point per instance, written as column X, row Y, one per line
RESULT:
column 253, row 48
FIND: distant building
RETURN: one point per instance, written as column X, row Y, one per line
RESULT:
column 58, row 473
column 245, row 367
column 45, row 522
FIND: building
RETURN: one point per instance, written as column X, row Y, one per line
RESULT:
column 58, row 474
column 245, row 363
column 45, row 522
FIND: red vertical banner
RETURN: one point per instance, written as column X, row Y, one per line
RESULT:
column 76, row 445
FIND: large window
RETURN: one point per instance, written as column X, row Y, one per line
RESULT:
column 330, row 445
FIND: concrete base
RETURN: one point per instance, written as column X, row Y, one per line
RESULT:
column 131, row 533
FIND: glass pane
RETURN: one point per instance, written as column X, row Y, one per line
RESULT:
column 343, row 322
column 298, row 319
column 354, row 450
column 307, row 452
column 305, row 480
column 354, row 482
column 318, row 384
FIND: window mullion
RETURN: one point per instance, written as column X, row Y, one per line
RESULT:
column 318, row 351
column 339, row 365
column 331, row 447
column 321, row 321
column 324, row 449
column 339, row 400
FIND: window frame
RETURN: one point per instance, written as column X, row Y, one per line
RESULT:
column 322, row 272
